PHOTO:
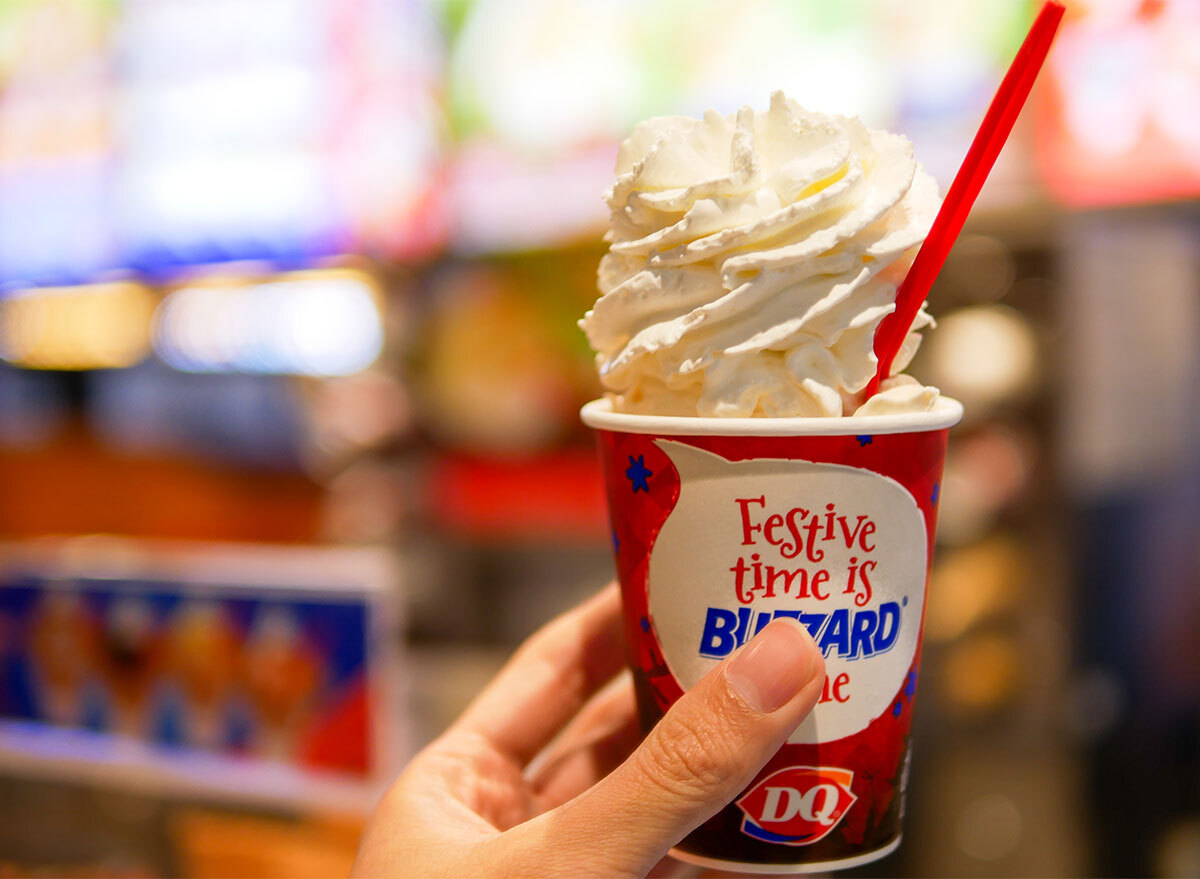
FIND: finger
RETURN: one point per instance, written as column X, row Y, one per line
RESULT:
column 603, row 712
column 549, row 678
column 703, row 752
column 597, row 741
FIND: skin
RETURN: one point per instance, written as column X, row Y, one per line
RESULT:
column 546, row 772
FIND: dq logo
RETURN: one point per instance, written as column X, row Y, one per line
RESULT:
column 797, row 805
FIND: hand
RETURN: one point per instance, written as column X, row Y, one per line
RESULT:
column 540, row 776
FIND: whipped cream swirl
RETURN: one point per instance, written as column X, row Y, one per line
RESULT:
column 751, row 258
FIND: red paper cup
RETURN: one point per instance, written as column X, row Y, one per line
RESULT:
column 721, row 524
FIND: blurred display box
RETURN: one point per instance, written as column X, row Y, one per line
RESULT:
column 235, row 673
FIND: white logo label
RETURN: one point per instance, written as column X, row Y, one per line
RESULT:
column 800, row 804
column 841, row 549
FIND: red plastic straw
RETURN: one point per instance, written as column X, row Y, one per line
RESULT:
column 989, row 140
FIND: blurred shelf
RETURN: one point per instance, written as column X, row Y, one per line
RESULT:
column 77, row 486
column 218, row 845
column 79, row 756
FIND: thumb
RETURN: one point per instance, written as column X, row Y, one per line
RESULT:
column 701, row 755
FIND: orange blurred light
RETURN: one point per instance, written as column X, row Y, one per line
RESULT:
column 96, row 326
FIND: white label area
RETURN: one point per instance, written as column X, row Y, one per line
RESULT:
column 841, row 549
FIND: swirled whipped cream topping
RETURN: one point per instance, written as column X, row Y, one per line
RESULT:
column 751, row 258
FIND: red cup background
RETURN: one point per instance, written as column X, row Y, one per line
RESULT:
column 643, row 487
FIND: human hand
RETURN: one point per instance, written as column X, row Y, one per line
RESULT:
column 543, row 775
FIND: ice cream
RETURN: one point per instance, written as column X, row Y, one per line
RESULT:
column 751, row 258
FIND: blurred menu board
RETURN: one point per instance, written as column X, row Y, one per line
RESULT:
column 240, row 671
column 1121, row 118
column 57, row 143
column 151, row 134
column 540, row 91
column 278, row 128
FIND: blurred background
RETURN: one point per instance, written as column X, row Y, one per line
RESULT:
column 289, row 375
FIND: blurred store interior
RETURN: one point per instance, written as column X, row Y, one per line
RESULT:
column 289, row 449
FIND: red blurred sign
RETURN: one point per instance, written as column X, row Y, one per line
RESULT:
column 1118, row 120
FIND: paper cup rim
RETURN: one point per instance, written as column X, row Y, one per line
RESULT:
column 945, row 413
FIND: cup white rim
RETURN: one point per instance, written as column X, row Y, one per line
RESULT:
column 945, row 413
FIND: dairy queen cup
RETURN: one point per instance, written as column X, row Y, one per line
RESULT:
column 719, row 525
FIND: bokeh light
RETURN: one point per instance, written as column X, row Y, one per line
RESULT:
column 323, row 323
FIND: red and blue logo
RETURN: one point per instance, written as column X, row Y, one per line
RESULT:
column 797, row 805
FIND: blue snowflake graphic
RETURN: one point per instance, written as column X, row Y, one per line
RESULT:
column 864, row 439
column 638, row 473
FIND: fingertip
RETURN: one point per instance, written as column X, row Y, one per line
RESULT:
column 776, row 666
column 806, row 644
